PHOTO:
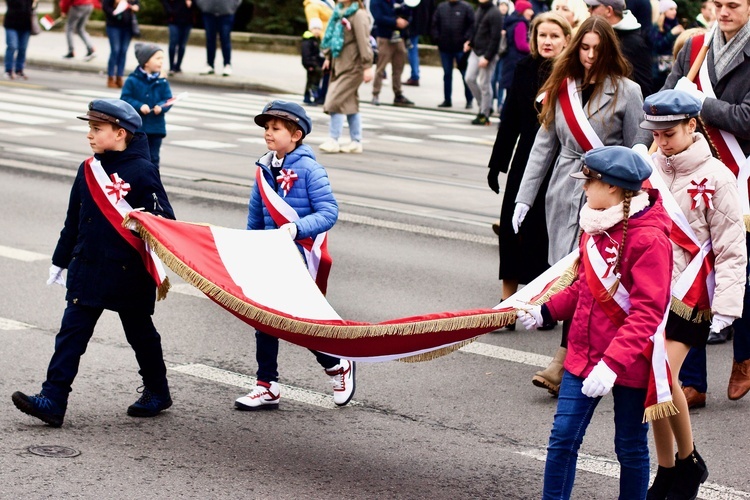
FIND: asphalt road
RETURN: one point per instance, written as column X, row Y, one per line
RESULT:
column 413, row 238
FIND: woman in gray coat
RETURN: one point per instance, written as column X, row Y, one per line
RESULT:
column 592, row 75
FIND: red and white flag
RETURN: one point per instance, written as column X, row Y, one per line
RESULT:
column 48, row 22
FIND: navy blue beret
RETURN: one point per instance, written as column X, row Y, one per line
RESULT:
column 667, row 108
column 290, row 111
column 615, row 165
column 114, row 111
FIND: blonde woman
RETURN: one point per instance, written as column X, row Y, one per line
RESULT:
column 574, row 11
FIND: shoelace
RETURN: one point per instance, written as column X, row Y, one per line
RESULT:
column 42, row 402
column 338, row 380
column 146, row 395
column 259, row 391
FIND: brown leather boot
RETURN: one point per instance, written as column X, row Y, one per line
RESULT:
column 111, row 82
column 739, row 381
column 550, row 377
column 118, row 82
column 694, row 398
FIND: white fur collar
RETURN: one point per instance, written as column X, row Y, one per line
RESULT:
column 597, row 221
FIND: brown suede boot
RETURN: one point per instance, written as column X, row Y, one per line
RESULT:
column 550, row 377
column 118, row 82
column 111, row 82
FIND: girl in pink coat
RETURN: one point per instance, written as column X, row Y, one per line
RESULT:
column 619, row 300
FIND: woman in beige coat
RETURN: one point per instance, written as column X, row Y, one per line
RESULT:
column 349, row 55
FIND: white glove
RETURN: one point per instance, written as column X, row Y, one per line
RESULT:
column 642, row 150
column 531, row 317
column 600, row 380
column 691, row 88
column 291, row 227
column 55, row 276
column 719, row 322
column 519, row 214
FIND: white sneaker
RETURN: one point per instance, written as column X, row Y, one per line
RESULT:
column 265, row 396
column 352, row 147
column 330, row 146
column 227, row 70
column 208, row 70
column 342, row 378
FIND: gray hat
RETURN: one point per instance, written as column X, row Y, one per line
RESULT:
column 618, row 5
column 114, row 111
column 290, row 111
column 615, row 165
column 145, row 51
column 667, row 108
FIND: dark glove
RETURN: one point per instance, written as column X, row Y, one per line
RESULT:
column 492, row 180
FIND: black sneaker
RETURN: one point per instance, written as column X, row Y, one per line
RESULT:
column 400, row 100
column 480, row 120
column 445, row 104
column 41, row 407
column 69, row 55
column 90, row 55
column 149, row 404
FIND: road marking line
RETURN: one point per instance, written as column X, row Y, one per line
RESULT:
column 398, row 138
column 203, row 144
column 50, row 153
column 9, row 324
column 247, row 382
column 462, row 139
column 513, row 355
column 25, row 132
column 24, row 255
column 611, row 468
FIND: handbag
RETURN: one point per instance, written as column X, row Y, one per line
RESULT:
column 35, row 27
column 503, row 47
column 135, row 28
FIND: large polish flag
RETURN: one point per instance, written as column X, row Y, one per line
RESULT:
column 279, row 297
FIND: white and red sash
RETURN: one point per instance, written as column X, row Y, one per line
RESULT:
column 109, row 194
column 726, row 144
column 575, row 117
column 316, row 251
column 696, row 284
column 601, row 281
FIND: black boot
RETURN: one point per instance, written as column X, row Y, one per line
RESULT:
column 663, row 482
column 690, row 473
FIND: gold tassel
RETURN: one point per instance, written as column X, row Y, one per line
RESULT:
column 660, row 410
column 163, row 289
column 747, row 223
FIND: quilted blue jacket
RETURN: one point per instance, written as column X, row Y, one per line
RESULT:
column 138, row 90
column 310, row 195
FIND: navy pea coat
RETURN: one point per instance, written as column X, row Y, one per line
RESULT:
column 104, row 271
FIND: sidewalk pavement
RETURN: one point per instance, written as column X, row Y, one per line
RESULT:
column 258, row 71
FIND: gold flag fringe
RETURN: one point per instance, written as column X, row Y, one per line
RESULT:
column 660, row 410
column 684, row 311
column 489, row 320
column 747, row 223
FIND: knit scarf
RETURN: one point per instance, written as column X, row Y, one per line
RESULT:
column 595, row 222
column 725, row 52
column 334, row 37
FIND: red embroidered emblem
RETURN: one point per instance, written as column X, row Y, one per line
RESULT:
column 701, row 191
column 286, row 179
column 119, row 187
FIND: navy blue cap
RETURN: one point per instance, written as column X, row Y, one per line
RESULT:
column 615, row 165
column 290, row 111
column 667, row 108
column 114, row 111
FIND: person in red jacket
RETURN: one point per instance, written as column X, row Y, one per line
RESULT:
column 620, row 299
column 77, row 13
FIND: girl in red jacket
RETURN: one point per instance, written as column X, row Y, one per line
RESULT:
column 619, row 300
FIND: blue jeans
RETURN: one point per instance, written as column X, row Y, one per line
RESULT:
column 574, row 411
column 119, row 41
column 221, row 25
column 448, row 59
column 178, row 38
column 77, row 327
column 337, row 126
column 413, row 55
column 16, row 42
column 497, row 91
column 267, row 352
column 154, row 146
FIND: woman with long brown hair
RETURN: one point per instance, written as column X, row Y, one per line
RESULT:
column 589, row 101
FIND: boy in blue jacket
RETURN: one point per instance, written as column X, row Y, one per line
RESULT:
column 148, row 92
column 292, row 193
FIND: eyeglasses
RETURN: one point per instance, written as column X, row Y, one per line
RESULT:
column 591, row 174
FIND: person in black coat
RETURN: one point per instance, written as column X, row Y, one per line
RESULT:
column 523, row 256
column 107, row 263
column 421, row 20
column 17, row 24
column 452, row 27
column 179, row 23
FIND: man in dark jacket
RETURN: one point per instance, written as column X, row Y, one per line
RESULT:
column 108, row 266
column 632, row 43
column 488, row 26
column 452, row 27
column 390, row 18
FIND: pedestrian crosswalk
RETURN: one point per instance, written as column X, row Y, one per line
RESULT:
column 28, row 111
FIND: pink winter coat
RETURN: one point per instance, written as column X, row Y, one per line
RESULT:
column 646, row 269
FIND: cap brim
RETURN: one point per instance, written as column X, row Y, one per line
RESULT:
column 580, row 175
column 262, row 118
column 651, row 125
